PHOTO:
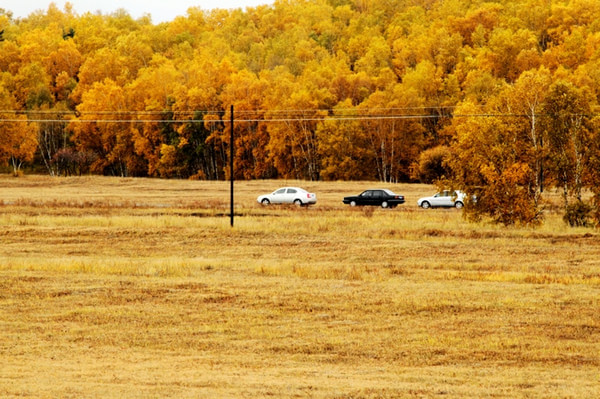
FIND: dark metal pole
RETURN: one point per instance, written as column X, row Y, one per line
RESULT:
column 542, row 164
column 231, row 166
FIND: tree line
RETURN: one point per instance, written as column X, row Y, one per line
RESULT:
column 498, row 98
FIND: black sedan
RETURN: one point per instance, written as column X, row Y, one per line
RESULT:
column 379, row 197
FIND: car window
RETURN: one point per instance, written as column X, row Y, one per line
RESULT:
column 280, row 191
column 378, row 194
column 291, row 191
column 366, row 194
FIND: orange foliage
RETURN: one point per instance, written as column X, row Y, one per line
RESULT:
column 321, row 89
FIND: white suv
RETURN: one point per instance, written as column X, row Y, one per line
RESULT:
column 446, row 198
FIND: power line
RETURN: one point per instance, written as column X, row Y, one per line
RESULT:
column 267, row 116
column 221, row 111
column 281, row 120
column 301, row 119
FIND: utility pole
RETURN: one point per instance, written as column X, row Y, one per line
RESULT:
column 231, row 167
column 542, row 163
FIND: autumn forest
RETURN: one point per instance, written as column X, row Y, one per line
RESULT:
column 499, row 98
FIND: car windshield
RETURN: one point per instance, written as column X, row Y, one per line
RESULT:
column 389, row 192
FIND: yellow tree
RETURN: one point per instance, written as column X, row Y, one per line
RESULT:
column 104, row 128
column 62, row 66
column 408, row 35
column 106, row 63
column 508, row 50
column 491, row 160
column 10, row 57
column 18, row 140
column 588, row 75
column 135, row 50
column 35, row 44
column 112, row 48
column 477, row 24
column 246, row 92
column 430, row 89
column 198, row 100
column 377, row 57
column 392, row 125
column 45, row 77
column 151, row 95
column 94, row 31
column 344, row 149
column 526, row 98
column 593, row 167
column 293, row 141
column 345, row 84
column 298, row 105
column 567, row 125
column 32, row 87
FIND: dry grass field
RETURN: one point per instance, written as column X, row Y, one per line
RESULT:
column 139, row 288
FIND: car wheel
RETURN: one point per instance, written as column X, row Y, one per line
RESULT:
column 352, row 203
column 458, row 204
column 384, row 204
column 297, row 202
column 425, row 205
column 265, row 201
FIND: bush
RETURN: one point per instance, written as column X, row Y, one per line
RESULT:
column 578, row 214
column 70, row 162
column 432, row 165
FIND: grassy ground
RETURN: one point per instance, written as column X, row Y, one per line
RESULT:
column 139, row 288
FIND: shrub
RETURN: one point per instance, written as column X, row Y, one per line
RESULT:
column 432, row 165
column 69, row 162
column 577, row 214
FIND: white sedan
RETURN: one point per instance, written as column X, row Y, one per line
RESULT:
column 288, row 195
column 446, row 199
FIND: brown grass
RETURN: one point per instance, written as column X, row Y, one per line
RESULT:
column 139, row 288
